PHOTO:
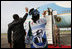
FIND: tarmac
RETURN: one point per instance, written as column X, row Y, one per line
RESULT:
column 64, row 38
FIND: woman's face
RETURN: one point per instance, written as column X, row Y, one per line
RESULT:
column 35, row 18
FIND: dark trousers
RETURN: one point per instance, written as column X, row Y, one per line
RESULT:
column 57, row 40
column 19, row 44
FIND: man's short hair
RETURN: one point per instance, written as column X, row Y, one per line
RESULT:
column 15, row 16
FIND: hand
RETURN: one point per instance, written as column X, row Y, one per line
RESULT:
column 44, row 13
column 10, row 45
column 26, row 9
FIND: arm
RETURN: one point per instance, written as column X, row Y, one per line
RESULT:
column 22, row 20
column 9, row 36
column 25, row 16
column 44, row 13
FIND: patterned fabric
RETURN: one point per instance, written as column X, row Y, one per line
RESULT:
column 38, row 34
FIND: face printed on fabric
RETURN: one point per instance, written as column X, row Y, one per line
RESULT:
column 39, row 33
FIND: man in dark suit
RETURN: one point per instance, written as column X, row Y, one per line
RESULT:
column 18, row 31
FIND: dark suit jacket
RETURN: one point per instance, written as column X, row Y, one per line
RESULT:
column 18, row 29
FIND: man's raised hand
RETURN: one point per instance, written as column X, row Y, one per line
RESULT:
column 26, row 9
